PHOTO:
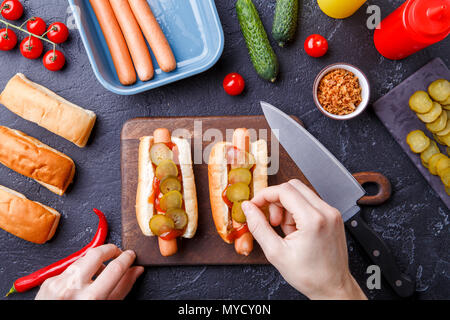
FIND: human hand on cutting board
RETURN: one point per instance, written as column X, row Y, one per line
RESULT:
column 313, row 256
column 111, row 282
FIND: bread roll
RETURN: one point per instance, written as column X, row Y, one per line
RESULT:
column 37, row 104
column 31, row 158
column 26, row 219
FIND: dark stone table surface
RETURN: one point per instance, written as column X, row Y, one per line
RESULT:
column 414, row 223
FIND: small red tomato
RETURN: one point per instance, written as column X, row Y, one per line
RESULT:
column 57, row 32
column 8, row 39
column 11, row 9
column 31, row 47
column 54, row 61
column 36, row 26
column 233, row 84
column 316, row 45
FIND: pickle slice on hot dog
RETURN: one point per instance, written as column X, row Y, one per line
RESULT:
column 166, row 187
column 229, row 167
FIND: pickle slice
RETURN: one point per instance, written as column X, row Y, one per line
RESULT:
column 170, row 183
column 237, row 214
column 240, row 159
column 439, row 124
column 160, row 152
column 179, row 217
column 424, row 164
column 439, row 139
column 446, row 106
column 238, row 192
column 447, row 189
column 426, row 155
column 445, row 140
column 166, row 168
column 445, row 177
column 418, row 141
column 239, row 175
column 171, row 200
column 433, row 162
column 442, row 164
column 439, row 90
column 432, row 115
column 446, row 130
column 446, row 103
column 160, row 224
column 420, row 102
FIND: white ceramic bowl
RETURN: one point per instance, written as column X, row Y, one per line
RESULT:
column 363, row 82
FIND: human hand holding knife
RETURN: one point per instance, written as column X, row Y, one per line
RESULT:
column 340, row 190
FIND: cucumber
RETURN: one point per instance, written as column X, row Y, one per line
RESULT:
column 285, row 21
column 261, row 53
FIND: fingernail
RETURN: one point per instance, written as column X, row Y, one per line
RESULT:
column 131, row 252
column 246, row 207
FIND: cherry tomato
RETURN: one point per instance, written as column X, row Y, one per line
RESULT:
column 57, row 32
column 316, row 45
column 11, row 9
column 31, row 47
column 8, row 39
column 36, row 26
column 54, row 61
column 234, row 84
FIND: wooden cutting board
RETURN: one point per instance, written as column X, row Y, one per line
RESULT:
column 206, row 248
column 394, row 112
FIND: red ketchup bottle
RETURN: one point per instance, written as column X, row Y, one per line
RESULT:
column 415, row 25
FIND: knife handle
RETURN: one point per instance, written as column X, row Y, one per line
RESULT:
column 383, row 184
column 381, row 256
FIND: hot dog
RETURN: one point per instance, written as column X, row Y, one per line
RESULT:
column 134, row 38
column 154, row 35
column 236, row 172
column 166, row 199
column 115, row 41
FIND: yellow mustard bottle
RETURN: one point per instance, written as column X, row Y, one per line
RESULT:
column 340, row 9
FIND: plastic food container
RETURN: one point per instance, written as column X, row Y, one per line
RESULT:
column 192, row 28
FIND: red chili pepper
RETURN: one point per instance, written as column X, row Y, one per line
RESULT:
column 37, row 278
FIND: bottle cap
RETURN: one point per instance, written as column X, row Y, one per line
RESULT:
column 430, row 18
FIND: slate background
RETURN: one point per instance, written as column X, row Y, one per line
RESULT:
column 414, row 223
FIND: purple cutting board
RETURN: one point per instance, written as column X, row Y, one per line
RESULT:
column 394, row 112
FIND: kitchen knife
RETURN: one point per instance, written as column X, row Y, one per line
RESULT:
column 339, row 188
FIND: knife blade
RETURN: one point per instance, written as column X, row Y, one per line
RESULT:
column 338, row 188
column 318, row 165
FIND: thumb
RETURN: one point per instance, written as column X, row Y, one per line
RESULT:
column 260, row 228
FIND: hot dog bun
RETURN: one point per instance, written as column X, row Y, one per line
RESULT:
column 33, row 159
column 115, row 41
column 144, row 207
column 26, row 219
column 38, row 104
column 218, row 181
